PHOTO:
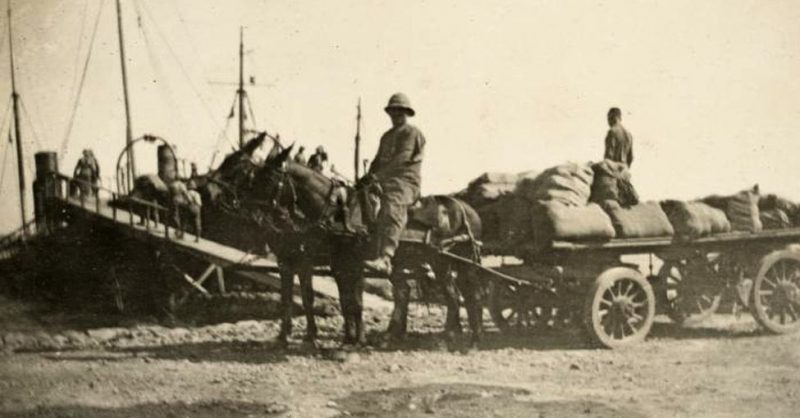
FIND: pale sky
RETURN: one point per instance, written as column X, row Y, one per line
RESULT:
column 710, row 90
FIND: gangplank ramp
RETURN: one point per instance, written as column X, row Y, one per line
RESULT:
column 247, row 265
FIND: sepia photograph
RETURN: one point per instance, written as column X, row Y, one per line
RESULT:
column 423, row 208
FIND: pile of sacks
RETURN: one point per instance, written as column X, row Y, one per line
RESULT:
column 489, row 187
column 488, row 193
column 596, row 202
column 746, row 211
column 589, row 202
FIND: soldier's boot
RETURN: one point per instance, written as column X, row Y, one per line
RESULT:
column 380, row 265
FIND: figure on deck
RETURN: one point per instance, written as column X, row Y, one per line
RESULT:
column 87, row 171
column 396, row 171
column 185, row 202
column 619, row 142
column 319, row 160
column 617, row 159
column 300, row 157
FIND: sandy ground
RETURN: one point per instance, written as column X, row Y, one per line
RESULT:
column 233, row 369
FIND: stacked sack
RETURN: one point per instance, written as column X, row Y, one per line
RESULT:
column 488, row 187
column 741, row 209
column 613, row 191
column 776, row 212
column 490, row 194
column 612, row 181
column 695, row 219
column 558, row 206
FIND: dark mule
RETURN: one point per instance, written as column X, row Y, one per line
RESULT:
column 224, row 220
column 307, row 214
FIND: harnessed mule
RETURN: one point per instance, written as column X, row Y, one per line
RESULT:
column 308, row 215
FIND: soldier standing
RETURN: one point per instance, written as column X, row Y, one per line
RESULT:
column 619, row 142
column 396, row 169
column 319, row 160
column 185, row 201
column 88, row 172
column 300, row 157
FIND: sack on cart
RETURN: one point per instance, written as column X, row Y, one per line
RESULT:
column 639, row 221
column 774, row 219
column 695, row 219
column 558, row 221
column 740, row 208
column 773, row 201
column 568, row 183
column 612, row 181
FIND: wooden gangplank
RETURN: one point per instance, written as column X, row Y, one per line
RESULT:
column 253, row 267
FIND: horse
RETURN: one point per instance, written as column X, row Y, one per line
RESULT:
column 307, row 214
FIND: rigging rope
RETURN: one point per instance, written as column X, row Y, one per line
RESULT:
column 252, row 115
column 5, row 159
column 7, row 145
column 29, row 119
column 165, row 91
column 185, row 73
column 62, row 150
column 80, row 48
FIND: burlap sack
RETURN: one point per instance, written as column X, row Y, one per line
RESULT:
column 695, row 219
column 554, row 220
column 740, row 208
column 638, row 221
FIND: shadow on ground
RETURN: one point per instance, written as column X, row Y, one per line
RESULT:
column 205, row 409
column 467, row 400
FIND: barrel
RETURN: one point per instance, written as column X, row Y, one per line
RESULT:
column 167, row 164
column 45, row 186
column 46, row 163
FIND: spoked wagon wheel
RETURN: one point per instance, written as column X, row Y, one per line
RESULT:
column 692, row 292
column 513, row 308
column 775, row 301
column 619, row 308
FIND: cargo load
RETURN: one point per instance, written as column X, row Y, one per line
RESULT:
column 774, row 219
column 555, row 220
column 773, row 201
column 740, row 208
column 638, row 221
column 612, row 181
column 695, row 219
column 568, row 183
column 489, row 187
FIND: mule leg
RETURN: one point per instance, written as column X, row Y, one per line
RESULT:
column 343, row 283
column 287, row 292
column 307, row 290
column 446, row 279
column 472, row 300
column 399, row 320
column 358, row 308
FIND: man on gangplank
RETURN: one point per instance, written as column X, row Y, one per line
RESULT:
column 396, row 169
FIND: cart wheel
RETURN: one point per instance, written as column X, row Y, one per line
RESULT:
column 691, row 295
column 619, row 308
column 514, row 309
column 775, row 303
column 504, row 306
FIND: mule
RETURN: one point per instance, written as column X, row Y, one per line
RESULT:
column 306, row 214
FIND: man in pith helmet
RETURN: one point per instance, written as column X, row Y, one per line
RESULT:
column 396, row 169
column 319, row 160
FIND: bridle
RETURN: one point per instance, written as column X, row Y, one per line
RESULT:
column 284, row 181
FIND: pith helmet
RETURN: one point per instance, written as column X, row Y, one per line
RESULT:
column 400, row 101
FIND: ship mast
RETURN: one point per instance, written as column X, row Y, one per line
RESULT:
column 17, row 133
column 240, row 93
column 128, row 131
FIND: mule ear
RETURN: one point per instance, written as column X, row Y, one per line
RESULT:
column 284, row 155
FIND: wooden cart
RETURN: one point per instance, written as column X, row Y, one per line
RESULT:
column 589, row 284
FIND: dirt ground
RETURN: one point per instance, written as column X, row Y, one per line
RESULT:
column 56, row 364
